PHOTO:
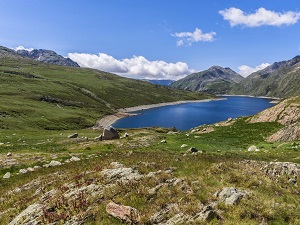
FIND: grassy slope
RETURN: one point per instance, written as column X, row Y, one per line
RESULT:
column 222, row 164
column 282, row 83
column 36, row 95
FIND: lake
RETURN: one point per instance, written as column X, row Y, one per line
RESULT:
column 189, row 115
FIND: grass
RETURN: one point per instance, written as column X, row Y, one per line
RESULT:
column 34, row 95
column 222, row 164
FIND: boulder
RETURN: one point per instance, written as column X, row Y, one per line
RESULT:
column 230, row 196
column 74, row 159
column 52, row 163
column 110, row 133
column 253, row 148
column 23, row 171
column 126, row 135
column 183, row 146
column 9, row 154
column 125, row 213
column 192, row 150
column 7, row 175
column 75, row 135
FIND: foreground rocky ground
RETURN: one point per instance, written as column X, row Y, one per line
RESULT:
column 226, row 173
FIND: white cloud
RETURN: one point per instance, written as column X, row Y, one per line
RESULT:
column 187, row 38
column 261, row 17
column 23, row 48
column 245, row 70
column 136, row 67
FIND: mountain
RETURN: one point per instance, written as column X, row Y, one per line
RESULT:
column 161, row 82
column 215, row 80
column 36, row 95
column 47, row 56
column 9, row 53
column 281, row 79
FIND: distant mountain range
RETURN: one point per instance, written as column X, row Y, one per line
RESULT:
column 281, row 79
column 215, row 80
column 42, row 55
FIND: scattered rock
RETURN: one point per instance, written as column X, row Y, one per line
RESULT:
column 121, row 173
column 230, row 196
column 126, row 135
column 9, row 154
column 75, row 135
column 30, row 169
column 207, row 214
column 30, row 216
column 229, row 120
column 74, row 159
column 7, row 175
column 192, row 150
column 125, row 213
column 163, row 141
column 52, row 163
column 110, row 133
column 23, row 171
column 253, row 148
column 183, row 146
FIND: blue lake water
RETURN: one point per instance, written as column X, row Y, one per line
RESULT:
column 188, row 115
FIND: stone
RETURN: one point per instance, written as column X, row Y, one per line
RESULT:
column 121, row 173
column 30, row 169
column 163, row 141
column 23, row 171
column 183, row 146
column 75, row 135
column 125, row 213
column 74, row 159
column 7, row 175
column 207, row 214
column 252, row 148
column 9, row 154
column 110, row 133
column 126, row 135
column 52, row 163
column 192, row 150
column 230, row 196
column 29, row 216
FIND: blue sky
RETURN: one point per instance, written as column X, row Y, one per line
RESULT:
column 157, row 39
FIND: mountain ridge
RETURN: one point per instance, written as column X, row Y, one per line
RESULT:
column 215, row 80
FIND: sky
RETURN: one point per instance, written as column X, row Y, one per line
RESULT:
column 156, row 39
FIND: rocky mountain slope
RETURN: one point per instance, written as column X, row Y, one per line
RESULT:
column 281, row 79
column 41, row 55
column 216, row 80
column 47, row 56
column 287, row 113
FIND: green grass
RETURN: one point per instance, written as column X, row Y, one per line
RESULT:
column 220, row 165
column 39, row 96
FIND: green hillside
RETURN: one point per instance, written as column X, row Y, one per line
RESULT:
column 281, row 79
column 215, row 80
column 43, row 96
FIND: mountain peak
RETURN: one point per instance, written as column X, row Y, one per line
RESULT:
column 47, row 56
column 216, row 80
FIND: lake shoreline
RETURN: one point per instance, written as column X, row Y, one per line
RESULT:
column 125, row 112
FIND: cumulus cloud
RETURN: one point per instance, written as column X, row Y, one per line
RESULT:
column 136, row 67
column 187, row 38
column 261, row 17
column 245, row 70
column 23, row 48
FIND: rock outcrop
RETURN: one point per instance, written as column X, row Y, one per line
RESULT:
column 127, row 214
